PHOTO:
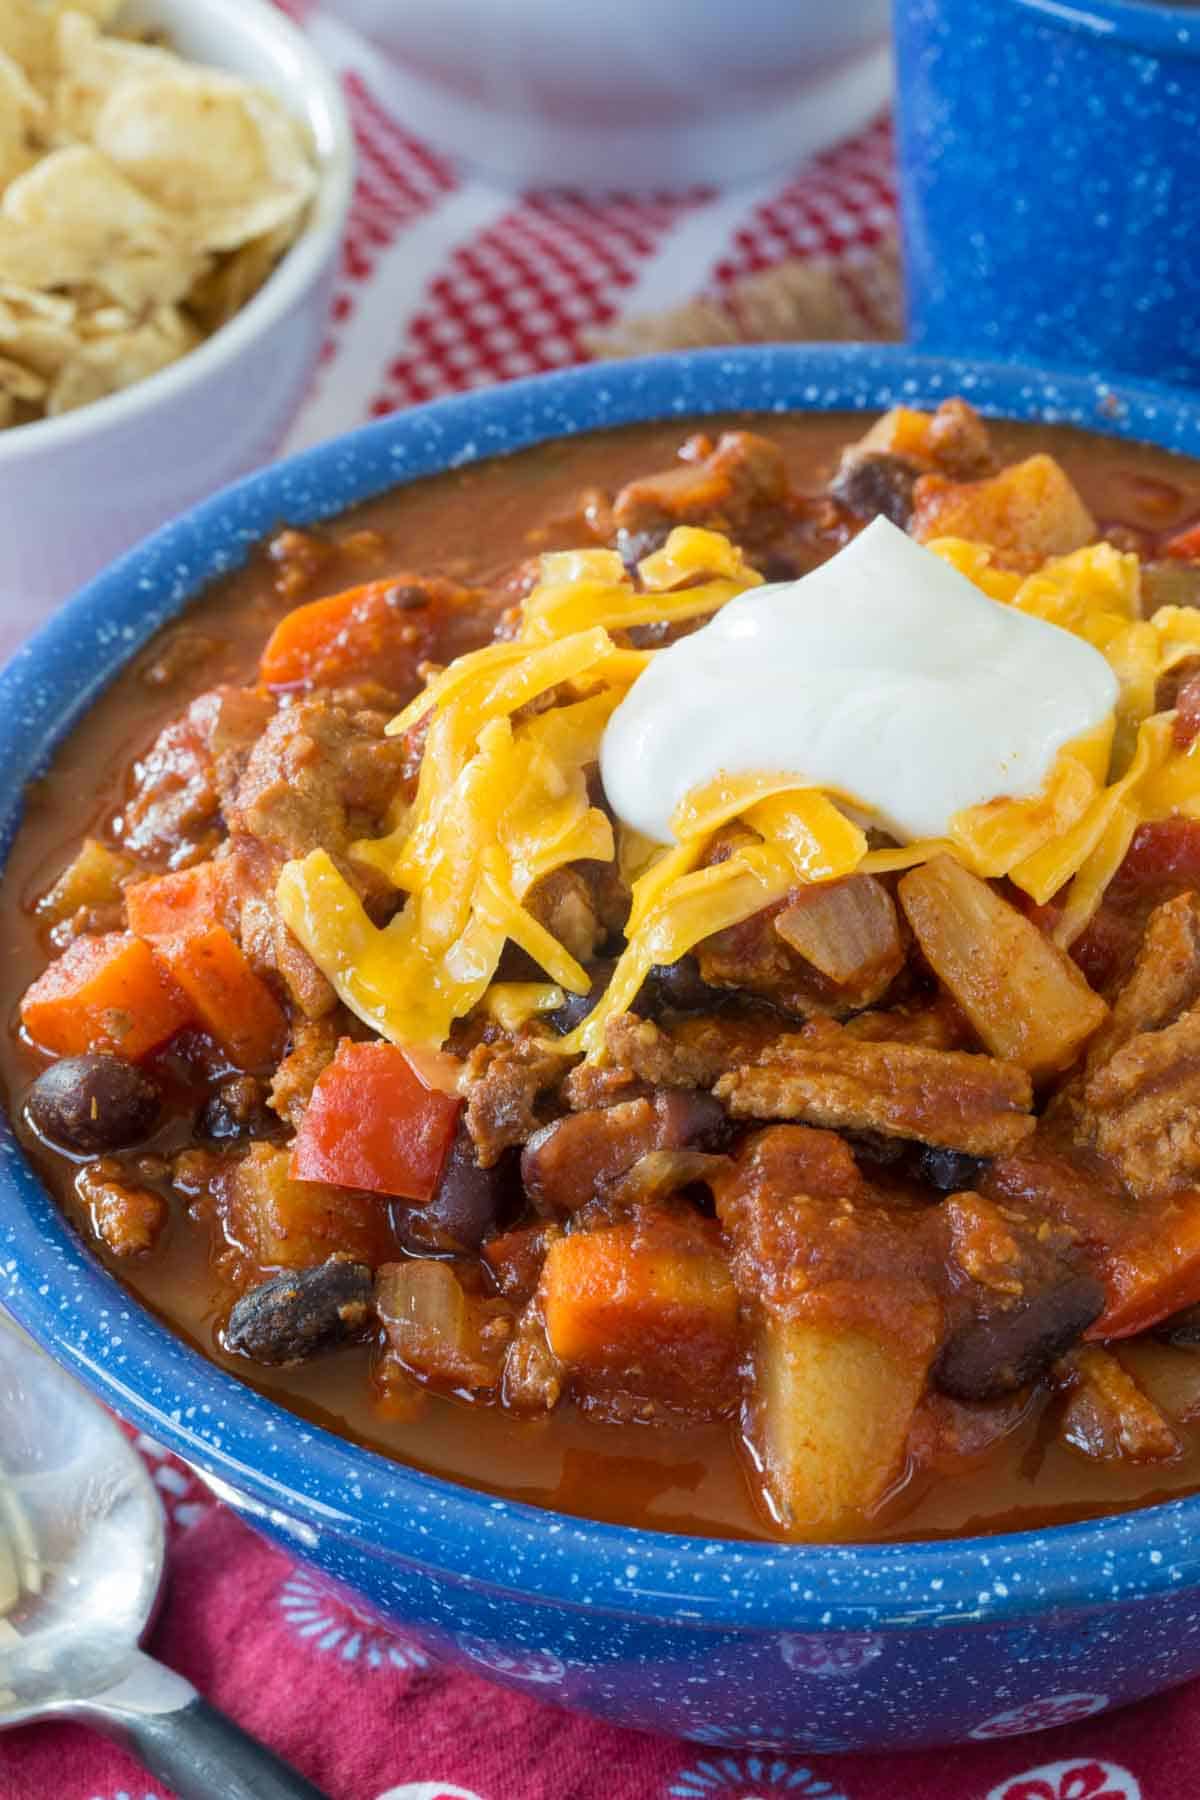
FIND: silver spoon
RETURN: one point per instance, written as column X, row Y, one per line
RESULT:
column 81, row 1562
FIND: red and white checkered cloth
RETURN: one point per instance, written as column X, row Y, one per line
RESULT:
column 449, row 282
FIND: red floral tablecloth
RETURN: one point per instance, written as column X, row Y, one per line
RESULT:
column 449, row 283
column 367, row 1716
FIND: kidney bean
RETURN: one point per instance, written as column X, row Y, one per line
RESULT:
column 565, row 1164
column 996, row 1355
column 469, row 1202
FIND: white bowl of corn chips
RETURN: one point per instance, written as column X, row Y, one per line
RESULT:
column 174, row 178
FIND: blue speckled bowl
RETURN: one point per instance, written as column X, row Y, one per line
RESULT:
column 1048, row 173
column 730, row 1643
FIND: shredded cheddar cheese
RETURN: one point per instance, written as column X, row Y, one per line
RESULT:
column 502, row 800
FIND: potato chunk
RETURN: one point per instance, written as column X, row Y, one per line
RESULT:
column 95, row 877
column 281, row 1223
column 1025, row 997
column 831, row 1421
column 1027, row 512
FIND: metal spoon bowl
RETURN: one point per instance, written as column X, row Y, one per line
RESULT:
column 82, row 1546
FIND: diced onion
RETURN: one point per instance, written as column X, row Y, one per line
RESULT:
column 423, row 1309
column 663, row 1172
column 847, row 929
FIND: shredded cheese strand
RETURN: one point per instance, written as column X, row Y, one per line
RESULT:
column 690, row 908
column 502, row 800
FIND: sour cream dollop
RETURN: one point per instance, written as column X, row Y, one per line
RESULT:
column 884, row 677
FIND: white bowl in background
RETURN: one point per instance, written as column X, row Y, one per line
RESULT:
column 78, row 489
column 637, row 94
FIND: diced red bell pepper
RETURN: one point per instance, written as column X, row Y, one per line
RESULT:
column 372, row 1123
column 1185, row 545
column 1164, row 850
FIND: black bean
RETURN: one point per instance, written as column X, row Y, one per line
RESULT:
column 676, row 987
column 776, row 565
column 469, row 1202
column 93, row 1103
column 576, row 1007
column 988, row 1357
column 873, row 1147
column 238, row 1109
column 870, row 482
column 302, row 1314
column 517, row 965
column 692, row 1120
column 1182, row 1329
column 949, row 1171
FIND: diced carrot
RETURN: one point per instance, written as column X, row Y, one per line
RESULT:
column 186, row 900
column 1185, row 545
column 659, row 1319
column 1156, row 1274
column 372, row 1123
column 230, row 1001
column 366, row 630
column 105, row 993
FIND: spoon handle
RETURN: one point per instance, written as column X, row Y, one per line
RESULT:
column 187, row 1743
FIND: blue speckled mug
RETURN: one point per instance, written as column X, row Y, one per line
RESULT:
column 788, row 1647
column 1050, row 180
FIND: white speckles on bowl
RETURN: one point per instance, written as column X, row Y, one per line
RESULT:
column 785, row 1647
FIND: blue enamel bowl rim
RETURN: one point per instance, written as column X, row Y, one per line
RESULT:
column 1164, row 30
column 293, row 1471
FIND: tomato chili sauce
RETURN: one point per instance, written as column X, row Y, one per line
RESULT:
column 248, row 1124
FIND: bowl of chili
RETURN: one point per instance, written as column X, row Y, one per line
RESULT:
column 919, row 1639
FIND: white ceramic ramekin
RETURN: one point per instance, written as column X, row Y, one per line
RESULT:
column 78, row 489
column 637, row 94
